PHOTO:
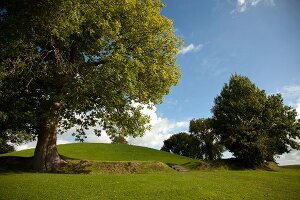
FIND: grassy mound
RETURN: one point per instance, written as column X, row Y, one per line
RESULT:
column 114, row 158
column 111, row 152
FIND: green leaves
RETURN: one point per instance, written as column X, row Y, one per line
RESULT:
column 209, row 145
column 182, row 144
column 94, row 58
column 200, row 143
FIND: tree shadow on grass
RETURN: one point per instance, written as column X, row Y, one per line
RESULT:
column 17, row 164
column 227, row 164
column 235, row 164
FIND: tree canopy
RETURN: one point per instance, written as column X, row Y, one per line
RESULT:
column 252, row 125
column 118, row 139
column 67, row 63
column 5, row 147
column 281, row 126
column 209, row 143
column 182, row 144
column 201, row 142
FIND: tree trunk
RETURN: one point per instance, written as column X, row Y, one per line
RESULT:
column 46, row 157
column 209, row 150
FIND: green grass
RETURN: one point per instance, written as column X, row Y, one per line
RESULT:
column 219, row 184
column 283, row 183
column 112, row 152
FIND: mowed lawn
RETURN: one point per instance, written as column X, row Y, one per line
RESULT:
column 283, row 183
column 219, row 184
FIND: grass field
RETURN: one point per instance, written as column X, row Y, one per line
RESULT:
column 284, row 183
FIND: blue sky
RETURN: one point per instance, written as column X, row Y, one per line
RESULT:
column 256, row 38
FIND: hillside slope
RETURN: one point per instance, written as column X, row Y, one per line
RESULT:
column 112, row 152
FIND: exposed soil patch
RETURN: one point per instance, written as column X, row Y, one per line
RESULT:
column 128, row 167
column 180, row 168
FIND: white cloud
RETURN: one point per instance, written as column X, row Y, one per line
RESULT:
column 28, row 145
column 162, row 128
column 291, row 158
column 191, row 48
column 243, row 5
column 291, row 94
column 291, row 91
column 60, row 140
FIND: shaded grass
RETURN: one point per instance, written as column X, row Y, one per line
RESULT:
column 218, row 184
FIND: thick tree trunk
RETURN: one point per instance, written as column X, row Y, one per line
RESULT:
column 46, row 157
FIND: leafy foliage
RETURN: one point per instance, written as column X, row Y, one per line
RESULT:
column 8, row 137
column 208, row 141
column 5, row 147
column 182, row 144
column 253, row 126
column 201, row 143
column 281, row 126
column 76, row 63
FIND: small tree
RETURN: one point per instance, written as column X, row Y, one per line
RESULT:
column 118, row 139
column 182, row 144
column 253, row 126
column 209, row 142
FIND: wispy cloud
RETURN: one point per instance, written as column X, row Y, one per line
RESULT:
column 243, row 5
column 213, row 65
column 291, row 91
column 191, row 48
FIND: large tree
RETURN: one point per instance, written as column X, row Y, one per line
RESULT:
column 66, row 63
column 209, row 143
column 253, row 126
